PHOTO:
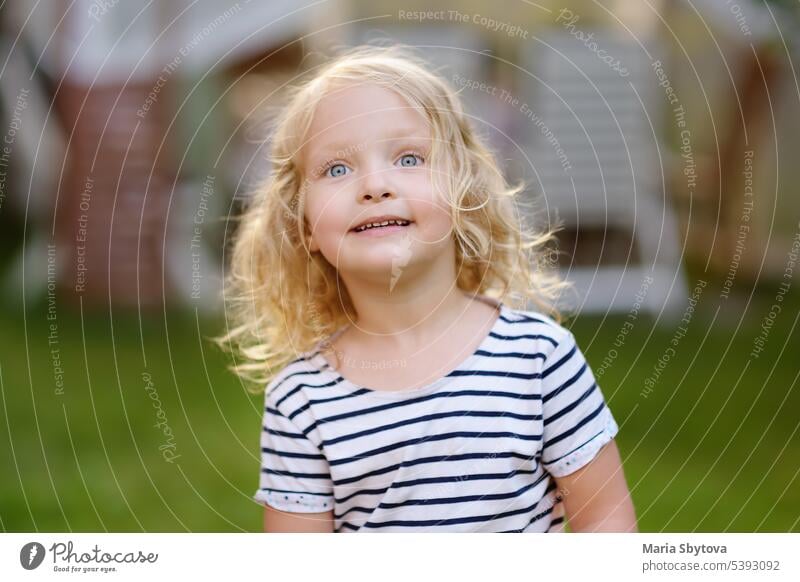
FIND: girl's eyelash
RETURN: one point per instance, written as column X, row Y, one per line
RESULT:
column 413, row 153
column 327, row 165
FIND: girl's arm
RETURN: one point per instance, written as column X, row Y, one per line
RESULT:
column 596, row 496
column 277, row 521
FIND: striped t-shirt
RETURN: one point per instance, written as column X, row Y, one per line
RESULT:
column 474, row 451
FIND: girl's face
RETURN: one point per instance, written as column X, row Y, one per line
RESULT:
column 366, row 157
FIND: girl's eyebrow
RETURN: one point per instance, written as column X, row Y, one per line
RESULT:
column 346, row 148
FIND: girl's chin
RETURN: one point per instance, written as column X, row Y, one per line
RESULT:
column 375, row 262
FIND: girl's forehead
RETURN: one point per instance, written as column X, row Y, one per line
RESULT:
column 344, row 105
column 350, row 117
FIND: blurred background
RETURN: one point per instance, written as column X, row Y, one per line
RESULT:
column 662, row 135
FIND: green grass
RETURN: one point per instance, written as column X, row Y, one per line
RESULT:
column 715, row 445
column 716, row 450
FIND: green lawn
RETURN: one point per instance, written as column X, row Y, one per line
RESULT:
column 713, row 447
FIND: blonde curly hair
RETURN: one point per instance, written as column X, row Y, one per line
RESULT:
column 282, row 300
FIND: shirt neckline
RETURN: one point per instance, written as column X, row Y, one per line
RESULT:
column 319, row 362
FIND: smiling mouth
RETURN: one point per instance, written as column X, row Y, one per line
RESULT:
column 381, row 225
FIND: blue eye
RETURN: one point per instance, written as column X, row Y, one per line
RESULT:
column 336, row 170
column 410, row 160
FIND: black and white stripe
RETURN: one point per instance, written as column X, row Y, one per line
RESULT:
column 474, row 451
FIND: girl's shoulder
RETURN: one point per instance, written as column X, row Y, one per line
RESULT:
column 535, row 320
column 292, row 375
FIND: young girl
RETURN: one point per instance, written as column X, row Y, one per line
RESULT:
column 380, row 287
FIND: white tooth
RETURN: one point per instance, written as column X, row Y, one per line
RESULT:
column 400, row 222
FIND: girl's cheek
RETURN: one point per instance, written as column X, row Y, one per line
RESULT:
column 433, row 219
column 439, row 200
column 435, row 187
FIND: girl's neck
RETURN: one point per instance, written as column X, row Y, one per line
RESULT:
column 406, row 320
column 423, row 300
column 408, row 303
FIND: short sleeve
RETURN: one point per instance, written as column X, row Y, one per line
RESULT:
column 577, row 421
column 295, row 475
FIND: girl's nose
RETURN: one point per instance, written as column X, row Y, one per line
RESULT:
column 375, row 185
column 369, row 196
